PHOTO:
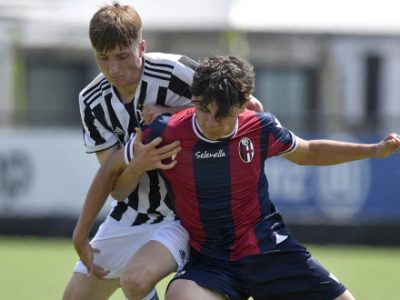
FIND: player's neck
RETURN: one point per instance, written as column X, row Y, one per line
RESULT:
column 126, row 94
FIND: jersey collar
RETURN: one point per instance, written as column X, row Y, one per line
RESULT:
column 197, row 130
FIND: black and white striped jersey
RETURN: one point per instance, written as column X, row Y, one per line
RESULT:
column 107, row 121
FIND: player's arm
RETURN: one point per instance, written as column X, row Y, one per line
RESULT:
column 92, row 208
column 94, row 202
column 95, row 199
column 329, row 152
column 100, row 188
column 102, row 157
column 107, row 177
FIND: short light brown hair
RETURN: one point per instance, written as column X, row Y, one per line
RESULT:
column 115, row 25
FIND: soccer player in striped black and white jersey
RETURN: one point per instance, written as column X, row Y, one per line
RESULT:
column 131, row 90
column 108, row 122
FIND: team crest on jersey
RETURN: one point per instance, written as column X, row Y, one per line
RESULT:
column 119, row 131
column 246, row 150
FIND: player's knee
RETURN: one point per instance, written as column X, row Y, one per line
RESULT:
column 136, row 284
column 77, row 293
column 72, row 291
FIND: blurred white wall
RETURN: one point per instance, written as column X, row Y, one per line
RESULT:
column 44, row 173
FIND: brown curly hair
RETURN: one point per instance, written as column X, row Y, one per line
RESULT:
column 227, row 80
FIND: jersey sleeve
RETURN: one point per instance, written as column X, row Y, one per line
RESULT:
column 97, row 136
column 179, row 88
column 129, row 149
column 279, row 140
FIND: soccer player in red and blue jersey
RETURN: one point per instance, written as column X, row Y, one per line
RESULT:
column 240, row 246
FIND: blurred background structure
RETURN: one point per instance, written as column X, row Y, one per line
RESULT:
column 324, row 69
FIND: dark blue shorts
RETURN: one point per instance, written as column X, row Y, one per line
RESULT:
column 273, row 276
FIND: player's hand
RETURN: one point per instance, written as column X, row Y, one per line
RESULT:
column 389, row 145
column 254, row 104
column 86, row 253
column 151, row 157
column 150, row 112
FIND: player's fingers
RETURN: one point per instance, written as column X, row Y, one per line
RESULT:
column 168, row 166
column 171, row 153
column 138, row 136
column 95, row 250
column 149, row 113
column 98, row 271
column 147, row 117
column 168, row 147
column 396, row 137
column 153, row 145
column 393, row 136
column 90, row 266
column 138, row 140
column 391, row 144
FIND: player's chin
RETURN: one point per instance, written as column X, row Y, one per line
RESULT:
column 214, row 135
column 118, row 82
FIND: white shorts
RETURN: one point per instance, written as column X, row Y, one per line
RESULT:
column 118, row 243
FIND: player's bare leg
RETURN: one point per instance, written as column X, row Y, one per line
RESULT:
column 145, row 269
column 182, row 289
column 84, row 287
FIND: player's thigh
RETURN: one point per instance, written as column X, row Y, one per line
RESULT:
column 182, row 289
column 83, row 287
column 152, row 263
column 116, row 245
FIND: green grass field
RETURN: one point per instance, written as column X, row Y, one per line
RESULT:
column 38, row 269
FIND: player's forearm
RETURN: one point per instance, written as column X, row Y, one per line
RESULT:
column 326, row 152
column 99, row 190
column 126, row 183
column 95, row 199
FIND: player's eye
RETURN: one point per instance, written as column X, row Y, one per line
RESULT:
column 204, row 110
column 102, row 57
column 123, row 56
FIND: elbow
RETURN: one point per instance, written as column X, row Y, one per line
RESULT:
column 115, row 192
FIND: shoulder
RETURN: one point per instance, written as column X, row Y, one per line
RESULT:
column 177, row 120
column 94, row 89
column 266, row 118
column 169, row 60
column 264, row 123
column 263, row 117
column 182, row 116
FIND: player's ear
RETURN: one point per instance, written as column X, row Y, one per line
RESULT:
column 142, row 47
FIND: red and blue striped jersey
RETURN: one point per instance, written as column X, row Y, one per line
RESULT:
column 220, row 188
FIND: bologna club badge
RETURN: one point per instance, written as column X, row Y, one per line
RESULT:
column 246, row 150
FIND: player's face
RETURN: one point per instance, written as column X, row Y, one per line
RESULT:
column 122, row 66
column 212, row 128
